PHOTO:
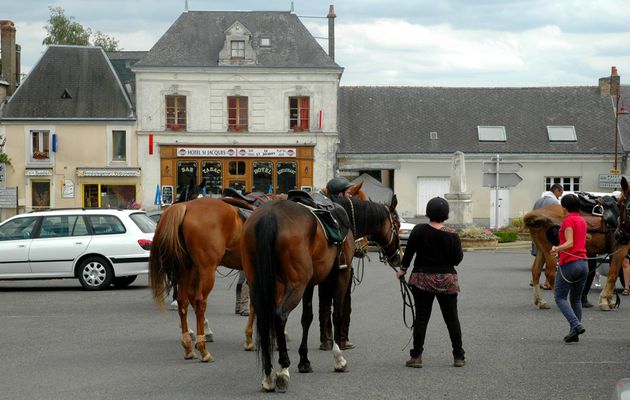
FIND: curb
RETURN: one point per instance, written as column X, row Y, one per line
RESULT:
column 519, row 244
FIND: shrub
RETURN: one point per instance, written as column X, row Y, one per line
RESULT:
column 476, row 233
column 506, row 236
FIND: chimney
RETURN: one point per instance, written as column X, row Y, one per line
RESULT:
column 7, row 42
column 609, row 86
column 331, row 31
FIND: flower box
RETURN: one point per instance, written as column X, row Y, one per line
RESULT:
column 478, row 243
column 40, row 155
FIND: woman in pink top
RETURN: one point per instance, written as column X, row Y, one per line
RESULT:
column 572, row 267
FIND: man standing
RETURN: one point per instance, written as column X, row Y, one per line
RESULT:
column 546, row 200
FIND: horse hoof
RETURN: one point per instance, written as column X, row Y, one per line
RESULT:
column 190, row 356
column 282, row 382
column 343, row 368
column 249, row 347
column 207, row 358
column 543, row 306
column 305, row 368
column 604, row 307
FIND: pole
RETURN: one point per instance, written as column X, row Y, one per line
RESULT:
column 496, row 198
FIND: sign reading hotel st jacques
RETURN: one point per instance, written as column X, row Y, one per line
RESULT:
column 235, row 152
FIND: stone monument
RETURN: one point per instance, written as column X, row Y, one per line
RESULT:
column 459, row 199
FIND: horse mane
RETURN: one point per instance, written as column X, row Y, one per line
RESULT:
column 372, row 214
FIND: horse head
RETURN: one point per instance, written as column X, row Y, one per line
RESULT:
column 623, row 230
column 390, row 252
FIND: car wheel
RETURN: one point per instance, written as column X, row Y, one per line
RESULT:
column 124, row 281
column 95, row 273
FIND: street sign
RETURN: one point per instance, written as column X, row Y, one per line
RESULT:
column 491, row 167
column 505, row 179
column 610, row 180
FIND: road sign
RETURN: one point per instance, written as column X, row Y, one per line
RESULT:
column 610, row 180
column 491, row 167
column 505, row 179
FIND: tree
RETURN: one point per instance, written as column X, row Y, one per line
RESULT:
column 4, row 158
column 64, row 30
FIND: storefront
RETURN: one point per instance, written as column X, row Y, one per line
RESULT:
column 246, row 169
column 109, row 187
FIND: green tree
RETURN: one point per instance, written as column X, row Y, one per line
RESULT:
column 108, row 43
column 4, row 158
column 64, row 30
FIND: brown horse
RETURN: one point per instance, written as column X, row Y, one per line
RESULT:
column 191, row 240
column 597, row 243
column 285, row 253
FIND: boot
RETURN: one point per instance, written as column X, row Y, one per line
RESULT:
column 237, row 307
column 244, row 300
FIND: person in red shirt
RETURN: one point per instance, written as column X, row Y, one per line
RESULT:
column 572, row 267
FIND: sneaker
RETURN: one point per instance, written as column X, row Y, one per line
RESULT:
column 572, row 337
column 459, row 362
column 586, row 304
column 173, row 305
column 414, row 362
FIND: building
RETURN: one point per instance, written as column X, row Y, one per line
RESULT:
column 237, row 99
column 406, row 136
column 70, row 132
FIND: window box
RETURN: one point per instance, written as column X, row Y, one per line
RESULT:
column 176, row 127
column 298, row 129
column 40, row 155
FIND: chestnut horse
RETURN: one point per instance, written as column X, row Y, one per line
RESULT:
column 597, row 243
column 285, row 253
column 191, row 240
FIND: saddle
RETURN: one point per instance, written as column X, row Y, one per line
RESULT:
column 244, row 204
column 600, row 213
column 332, row 217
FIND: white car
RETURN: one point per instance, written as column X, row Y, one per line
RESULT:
column 99, row 247
column 404, row 231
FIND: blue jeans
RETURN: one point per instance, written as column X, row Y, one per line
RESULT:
column 570, row 280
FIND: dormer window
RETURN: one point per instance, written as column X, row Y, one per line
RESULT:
column 561, row 133
column 491, row 133
column 238, row 48
column 265, row 42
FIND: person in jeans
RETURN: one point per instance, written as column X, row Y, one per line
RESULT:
column 572, row 267
column 437, row 251
column 547, row 199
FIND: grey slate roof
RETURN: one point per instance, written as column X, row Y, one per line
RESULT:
column 196, row 38
column 624, row 120
column 398, row 120
column 122, row 61
column 87, row 76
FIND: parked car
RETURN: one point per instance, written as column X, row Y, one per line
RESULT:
column 155, row 215
column 99, row 247
column 405, row 230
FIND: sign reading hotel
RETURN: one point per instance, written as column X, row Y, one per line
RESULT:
column 262, row 152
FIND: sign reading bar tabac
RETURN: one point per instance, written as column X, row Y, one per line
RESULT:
column 261, row 152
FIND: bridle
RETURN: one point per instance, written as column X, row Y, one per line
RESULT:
column 623, row 234
column 393, row 235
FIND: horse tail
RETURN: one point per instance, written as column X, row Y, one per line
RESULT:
column 168, row 253
column 264, row 287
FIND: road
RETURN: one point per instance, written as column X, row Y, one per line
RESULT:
column 61, row 342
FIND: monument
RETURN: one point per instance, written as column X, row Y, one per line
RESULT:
column 459, row 199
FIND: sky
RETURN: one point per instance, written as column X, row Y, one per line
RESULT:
column 447, row 43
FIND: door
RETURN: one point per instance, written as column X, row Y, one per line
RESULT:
column 61, row 240
column 430, row 187
column 502, row 208
column 15, row 242
column 236, row 184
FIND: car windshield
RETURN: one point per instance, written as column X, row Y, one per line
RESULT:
column 146, row 224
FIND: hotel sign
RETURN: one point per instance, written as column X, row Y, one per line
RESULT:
column 95, row 172
column 262, row 152
column 38, row 172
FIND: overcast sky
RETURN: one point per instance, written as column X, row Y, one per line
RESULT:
column 478, row 43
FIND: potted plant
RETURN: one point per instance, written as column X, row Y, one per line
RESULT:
column 475, row 236
column 40, row 155
column 176, row 127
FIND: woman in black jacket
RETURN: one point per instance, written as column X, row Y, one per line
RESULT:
column 437, row 251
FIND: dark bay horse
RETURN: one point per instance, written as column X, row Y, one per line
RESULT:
column 597, row 243
column 191, row 240
column 285, row 253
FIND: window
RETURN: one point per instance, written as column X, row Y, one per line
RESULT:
column 561, row 133
column 263, row 176
column 491, row 133
column 286, row 175
column 176, row 113
column 40, row 145
column 569, row 183
column 106, row 224
column 119, row 146
column 236, row 167
column 265, row 41
column 119, row 196
column 63, row 226
column 186, row 177
column 238, row 48
column 237, row 113
column 298, row 113
column 19, row 228
column 40, row 194
column 211, row 175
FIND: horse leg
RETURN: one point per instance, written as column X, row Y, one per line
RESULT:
column 307, row 318
column 537, row 265
column 206, row 282
column 606, row 302
column 282, row 377
column 182, row 310
column 249, row 330
column 342, row 283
